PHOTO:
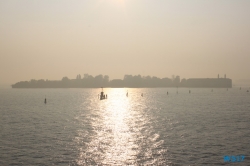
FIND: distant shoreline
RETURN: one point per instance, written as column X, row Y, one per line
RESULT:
column 129, row 81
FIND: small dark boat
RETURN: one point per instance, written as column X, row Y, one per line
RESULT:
column 102, row 95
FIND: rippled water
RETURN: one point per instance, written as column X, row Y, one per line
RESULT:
column 75, row 128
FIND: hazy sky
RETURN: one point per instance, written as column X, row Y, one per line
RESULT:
column 49, row 39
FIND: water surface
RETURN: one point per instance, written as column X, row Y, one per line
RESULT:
column 75, row 128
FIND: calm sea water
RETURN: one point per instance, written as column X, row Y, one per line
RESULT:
column 75, row 128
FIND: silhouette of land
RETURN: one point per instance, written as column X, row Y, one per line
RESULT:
column 137, row 81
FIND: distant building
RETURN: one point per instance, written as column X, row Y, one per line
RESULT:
column 177, row 81
column 208, row 83
column 86, row 76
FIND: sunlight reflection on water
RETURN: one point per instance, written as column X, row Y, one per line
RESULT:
column 121, row 131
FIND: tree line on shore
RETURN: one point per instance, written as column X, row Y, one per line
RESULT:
column 89, row 81
column 131, row 81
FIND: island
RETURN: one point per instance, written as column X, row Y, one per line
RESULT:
column 130, row 81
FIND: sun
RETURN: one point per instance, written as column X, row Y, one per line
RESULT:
column 118, row 3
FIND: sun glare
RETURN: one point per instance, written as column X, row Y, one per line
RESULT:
column 117, row 3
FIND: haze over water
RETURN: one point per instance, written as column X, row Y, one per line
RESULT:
column 193, row 39
column 51, row 40
column 76, row 128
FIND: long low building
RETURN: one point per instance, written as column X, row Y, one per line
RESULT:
column 208, row 83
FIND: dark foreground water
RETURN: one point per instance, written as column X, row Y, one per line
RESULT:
column 75, row 128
